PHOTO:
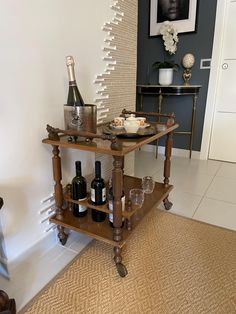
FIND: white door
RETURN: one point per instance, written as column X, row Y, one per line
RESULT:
column 223, row 136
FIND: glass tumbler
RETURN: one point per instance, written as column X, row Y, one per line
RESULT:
column 148, row 184
column 137, row 198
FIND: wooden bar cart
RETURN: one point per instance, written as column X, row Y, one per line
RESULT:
column 118, row 147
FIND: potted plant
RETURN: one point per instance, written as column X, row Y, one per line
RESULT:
column 170, row 37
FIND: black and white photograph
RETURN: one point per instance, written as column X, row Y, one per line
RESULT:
column 182, row 13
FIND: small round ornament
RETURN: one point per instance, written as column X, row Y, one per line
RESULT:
column 188, row 61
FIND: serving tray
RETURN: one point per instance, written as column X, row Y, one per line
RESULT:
column 108, row 129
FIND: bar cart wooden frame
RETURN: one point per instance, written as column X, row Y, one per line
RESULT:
column 118, row 148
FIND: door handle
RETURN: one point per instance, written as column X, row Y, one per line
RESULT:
column 225, row 66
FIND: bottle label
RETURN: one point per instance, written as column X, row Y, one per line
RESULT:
column 93, row 199
column 110, row 206
column 92, row 195
column 104, row 194
column 82, row 208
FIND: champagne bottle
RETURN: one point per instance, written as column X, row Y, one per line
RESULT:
column 79, row 191
column 74, row 97
column 98, row 193
column 110, row 204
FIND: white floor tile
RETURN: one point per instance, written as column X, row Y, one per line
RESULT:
column 208, row 167
column 39, row 276
column 217, row 213
column 146, row 164
column 187, row 182
column 33, row 270
column 184, row 204
column 227, row 170
column 223, row 189
column 77, row 241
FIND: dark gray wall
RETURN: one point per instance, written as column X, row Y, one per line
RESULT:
column 150, row 49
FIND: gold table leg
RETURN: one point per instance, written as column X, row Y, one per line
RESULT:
column 160, row 100
column 192, row 125
column 141, row 102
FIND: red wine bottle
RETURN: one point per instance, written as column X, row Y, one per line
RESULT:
column 110, row 204
column 74, row 97
column 79, row 191
column 98, row 193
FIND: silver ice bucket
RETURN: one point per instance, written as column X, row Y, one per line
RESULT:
column 81, row 118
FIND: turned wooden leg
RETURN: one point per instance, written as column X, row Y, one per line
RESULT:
column 128, row 220
column 69, row 193
column 117, row 254
column 121, row 269
column 56, row 162
column 62, row 236
column 169, row 141
column 117, row 179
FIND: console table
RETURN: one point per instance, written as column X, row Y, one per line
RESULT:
column 172, row 90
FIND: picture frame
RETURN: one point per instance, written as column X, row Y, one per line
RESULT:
column 182, row 13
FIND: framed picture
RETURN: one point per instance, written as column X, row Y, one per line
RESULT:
column 182, row 13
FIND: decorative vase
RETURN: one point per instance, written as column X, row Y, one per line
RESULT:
column 166, row 76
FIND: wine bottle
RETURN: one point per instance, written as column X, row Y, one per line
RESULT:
column 79, row 191
column 98, row 193
column 110, row 204
column 74, row 97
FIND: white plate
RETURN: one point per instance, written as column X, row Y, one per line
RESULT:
column 146, row 125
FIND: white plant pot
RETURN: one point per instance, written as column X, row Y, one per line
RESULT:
column 166, row 76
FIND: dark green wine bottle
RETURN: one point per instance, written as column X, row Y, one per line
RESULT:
column 98, row 193
column 74, row 98
column 79, row 191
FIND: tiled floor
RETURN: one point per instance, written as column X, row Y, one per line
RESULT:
column 32, row 271
column 203, row 190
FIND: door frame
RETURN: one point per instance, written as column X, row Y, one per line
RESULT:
column 214, row 77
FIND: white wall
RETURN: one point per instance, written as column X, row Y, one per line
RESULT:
column 35, row 37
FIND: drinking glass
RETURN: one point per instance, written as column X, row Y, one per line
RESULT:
column 137, row 197
column 148, row 184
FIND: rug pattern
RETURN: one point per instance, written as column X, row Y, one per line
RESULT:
column 176, row 266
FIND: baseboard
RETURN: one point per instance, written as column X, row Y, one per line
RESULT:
column 47, row 257
column 39, row 248
column 175, row 151
column 3, row 268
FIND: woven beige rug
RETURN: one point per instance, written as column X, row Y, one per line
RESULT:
column 175, row 265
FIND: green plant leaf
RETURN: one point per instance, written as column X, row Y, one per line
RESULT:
column 165, row 65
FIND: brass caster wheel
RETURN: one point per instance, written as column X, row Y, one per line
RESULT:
column 63, row 240
column 168, row 205
column 122, row 270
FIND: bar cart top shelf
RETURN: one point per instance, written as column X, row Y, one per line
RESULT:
column 98, row 145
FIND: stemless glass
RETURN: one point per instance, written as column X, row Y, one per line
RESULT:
column 148, row 184
column 137, row 198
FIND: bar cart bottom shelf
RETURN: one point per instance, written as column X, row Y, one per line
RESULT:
column 102, row 230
